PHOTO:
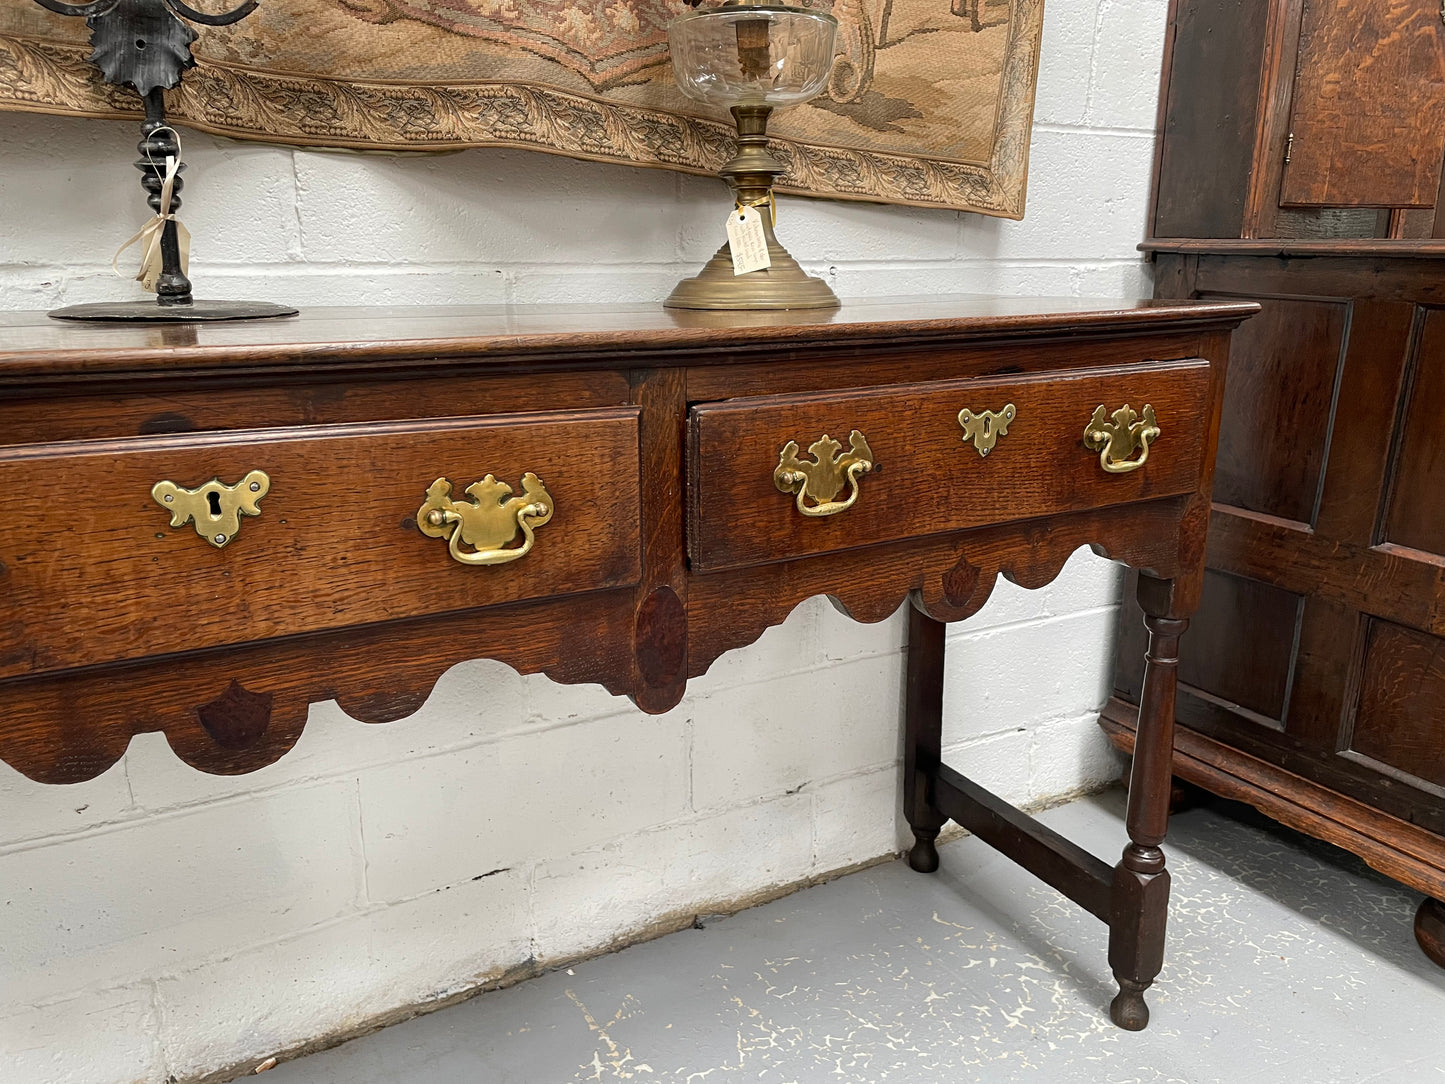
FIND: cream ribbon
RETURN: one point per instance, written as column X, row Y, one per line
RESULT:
column 149, row 235
column 773, row 204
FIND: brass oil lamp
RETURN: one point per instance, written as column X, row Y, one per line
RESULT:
column 752, row 58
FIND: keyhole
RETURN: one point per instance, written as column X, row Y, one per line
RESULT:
column 140, row 43
column 215, row 502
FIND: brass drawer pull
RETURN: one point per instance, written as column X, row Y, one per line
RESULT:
column 216, row 507
column 1117, row 440
column 985, row 427
column 488, row 521
column 826, row 475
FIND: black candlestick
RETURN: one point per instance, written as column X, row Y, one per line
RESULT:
column 144, row 44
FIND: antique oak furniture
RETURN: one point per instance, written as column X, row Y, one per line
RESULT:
column 1299, row 164
column 206, row 528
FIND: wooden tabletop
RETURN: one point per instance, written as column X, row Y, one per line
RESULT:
column 33, row 345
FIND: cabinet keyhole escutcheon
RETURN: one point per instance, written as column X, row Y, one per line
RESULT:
column 215, row 508
column 984, row 427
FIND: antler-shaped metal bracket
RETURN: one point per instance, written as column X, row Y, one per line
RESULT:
column 821, row 479
column 143, row 43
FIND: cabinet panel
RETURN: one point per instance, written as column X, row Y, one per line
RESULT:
column 1416, row 516
column 1282, row 381
column 1212, row 97
column 1368, row 117
column 1249, row 670
column 1402, row 701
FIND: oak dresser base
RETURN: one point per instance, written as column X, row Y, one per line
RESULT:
column 344, row 505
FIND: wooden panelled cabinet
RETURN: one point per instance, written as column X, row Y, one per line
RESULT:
column 1299, row 166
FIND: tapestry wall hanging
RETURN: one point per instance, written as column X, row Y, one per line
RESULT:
column 930, row 101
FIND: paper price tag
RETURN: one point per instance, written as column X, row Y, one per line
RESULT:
column 747, row 242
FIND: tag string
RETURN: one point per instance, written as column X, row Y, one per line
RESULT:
column 149, row 235
column 772, row 203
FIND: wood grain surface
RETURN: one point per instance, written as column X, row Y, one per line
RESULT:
column 380, row 339
column 1368, row 117
column 926, row 479
column 335, row 545
column 113, row 623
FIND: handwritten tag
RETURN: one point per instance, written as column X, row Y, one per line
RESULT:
column 747, row 242
column 150, row 271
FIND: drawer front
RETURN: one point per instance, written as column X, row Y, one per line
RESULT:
column 925, row 478
column 91, row 570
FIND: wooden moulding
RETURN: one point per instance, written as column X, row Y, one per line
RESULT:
column 1395, row 847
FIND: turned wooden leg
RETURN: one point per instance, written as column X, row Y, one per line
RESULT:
column 1141, row 883
column 1430, row 929
column 923, row 736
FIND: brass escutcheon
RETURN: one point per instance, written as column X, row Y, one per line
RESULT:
column 821, row 479
column 1117, row 440
column 488, row 521
column 216, row 507
column 985, row 427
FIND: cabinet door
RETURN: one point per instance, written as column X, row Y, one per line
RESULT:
column 1319, row 639
column 1367, row 123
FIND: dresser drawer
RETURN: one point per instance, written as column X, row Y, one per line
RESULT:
column 926, row 478
column 92, row 571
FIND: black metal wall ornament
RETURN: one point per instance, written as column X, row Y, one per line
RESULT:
column 146, row 45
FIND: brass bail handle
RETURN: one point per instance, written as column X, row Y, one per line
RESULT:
column 489, row 521
column 1119, row 435
column 822, row 479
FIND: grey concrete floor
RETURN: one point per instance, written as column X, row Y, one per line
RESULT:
column 1287, row 961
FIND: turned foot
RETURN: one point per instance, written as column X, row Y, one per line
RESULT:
column 1128, row 1010
column 1429, row 929
column 923, row 855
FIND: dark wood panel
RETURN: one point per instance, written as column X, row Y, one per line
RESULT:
column 1368, row 117
column 1326, row 670
column 1379, row 580
column 1286, row 363
column 1402, row 702
column 1215, row 55
column 1416, row 516
column 1240, row 645
column 1360, row 447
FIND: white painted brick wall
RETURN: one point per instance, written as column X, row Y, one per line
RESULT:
column 160, row 923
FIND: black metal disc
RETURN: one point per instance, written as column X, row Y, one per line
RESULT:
column 172, row 314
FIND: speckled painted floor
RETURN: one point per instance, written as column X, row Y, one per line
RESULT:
column 1288, row 961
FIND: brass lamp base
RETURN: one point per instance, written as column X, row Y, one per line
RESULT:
column 784, row 285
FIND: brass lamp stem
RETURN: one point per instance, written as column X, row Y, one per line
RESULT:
column 751, row 174
column 752, row 170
